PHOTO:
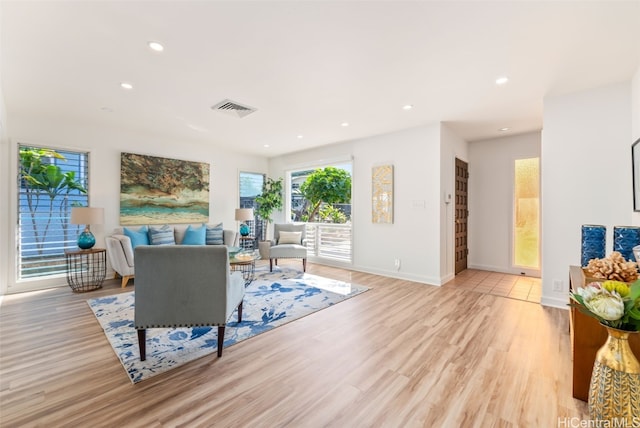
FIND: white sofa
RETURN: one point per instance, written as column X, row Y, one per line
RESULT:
column 120, row 251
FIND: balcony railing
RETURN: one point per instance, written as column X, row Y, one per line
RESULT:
column 329, row 241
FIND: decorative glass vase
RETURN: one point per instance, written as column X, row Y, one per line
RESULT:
column 624, row 239
column 614, row 392
column 86, row 240
column 593, row 242
column 244, row 229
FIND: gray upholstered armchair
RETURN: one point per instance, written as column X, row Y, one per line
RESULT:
column 289, row 243
column 185, row 286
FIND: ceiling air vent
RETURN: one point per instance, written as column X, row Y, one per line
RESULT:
column 233, row 108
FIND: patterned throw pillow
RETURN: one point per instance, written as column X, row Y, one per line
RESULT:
column 137, row 237
column 290, row 238
column 162, row 235
column 195, row 235
column 215, row 234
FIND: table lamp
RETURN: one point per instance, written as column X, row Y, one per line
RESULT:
column 244, row 214
column 87, row 216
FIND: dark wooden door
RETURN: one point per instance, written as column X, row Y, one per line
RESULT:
column 462, row 213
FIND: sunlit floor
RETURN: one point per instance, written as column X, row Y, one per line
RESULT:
column 499, row 284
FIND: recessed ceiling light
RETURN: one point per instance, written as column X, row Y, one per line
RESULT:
column 345, row 124
column 407, row 107
column 126, row 85
column 266, row 146
column 502, row 80
column 155, row 46
column 300, row 136
column 503, row 129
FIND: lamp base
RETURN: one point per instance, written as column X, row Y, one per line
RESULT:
column 244, row 229
column 86, row 240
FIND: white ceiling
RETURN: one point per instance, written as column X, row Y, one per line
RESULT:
column 308, row 66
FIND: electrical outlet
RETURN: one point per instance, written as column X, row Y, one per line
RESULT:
column 396, row 263
column 557, row 285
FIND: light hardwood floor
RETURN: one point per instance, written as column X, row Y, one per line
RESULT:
column 499, row 284
column 400, row 355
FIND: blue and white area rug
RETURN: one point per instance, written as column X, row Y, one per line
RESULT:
column 273, row 299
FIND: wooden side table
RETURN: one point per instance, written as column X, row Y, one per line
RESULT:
column 86, row 269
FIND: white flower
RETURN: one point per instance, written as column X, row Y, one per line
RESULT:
column 608, row 306
column 589, row 291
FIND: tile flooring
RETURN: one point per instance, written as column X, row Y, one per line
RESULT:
column 499, row 284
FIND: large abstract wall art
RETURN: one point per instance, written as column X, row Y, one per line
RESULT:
column 156, row 190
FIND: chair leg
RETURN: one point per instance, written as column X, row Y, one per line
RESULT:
column 240, row 311
column 304, row 265
column 270, row 265
column 142, row 343
column 125, row 280
column 220, row 339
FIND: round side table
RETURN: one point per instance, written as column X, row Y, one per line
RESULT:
column 86, row 269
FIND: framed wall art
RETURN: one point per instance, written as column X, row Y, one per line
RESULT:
column 382, row 194
column 156, row 190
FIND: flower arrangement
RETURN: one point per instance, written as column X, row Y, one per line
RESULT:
column 614, row 304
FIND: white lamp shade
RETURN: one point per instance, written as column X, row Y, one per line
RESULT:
column 244, row 214
column 87, row 215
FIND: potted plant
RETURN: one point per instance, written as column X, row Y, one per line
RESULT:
column 268, row 201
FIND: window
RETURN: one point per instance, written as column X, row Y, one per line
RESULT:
column 527, row 213
column 328, row 225
column 50, row 182
column 250, row 187
column 333, row 212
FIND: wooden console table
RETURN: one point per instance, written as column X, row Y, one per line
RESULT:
column 587, row 337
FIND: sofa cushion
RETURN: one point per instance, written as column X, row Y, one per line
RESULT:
column 161, row 235
column 137, row 237
column 290, row 238
column 195, row 235
column 215, row 234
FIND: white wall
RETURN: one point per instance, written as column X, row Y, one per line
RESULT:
column 414, row 236
column 586, row 176
column 635, row 124
column 491, row 192
column 104, row 146
column 451, row 147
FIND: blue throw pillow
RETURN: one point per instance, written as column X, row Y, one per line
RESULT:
column 162, row 235
column 215, row 234
column 195, row 235
column 138, row 237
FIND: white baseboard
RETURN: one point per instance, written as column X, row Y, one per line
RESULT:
column 513, row 271
column 554, row 302
column 381, row 272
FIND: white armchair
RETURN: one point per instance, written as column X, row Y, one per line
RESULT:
column 289, row 243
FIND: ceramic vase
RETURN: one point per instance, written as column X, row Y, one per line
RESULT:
column 593, row 243
column 624, row 239
column 614, row 392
